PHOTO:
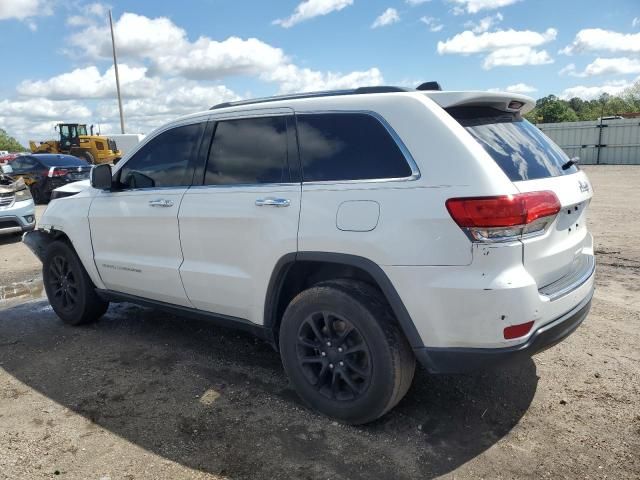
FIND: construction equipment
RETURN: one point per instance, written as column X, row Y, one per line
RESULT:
column 75, row 141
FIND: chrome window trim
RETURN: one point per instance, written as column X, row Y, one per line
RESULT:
column 415, row 171
column 246, row 185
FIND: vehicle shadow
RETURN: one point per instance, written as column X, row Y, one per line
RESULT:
column 218, row 401
column 10, row 239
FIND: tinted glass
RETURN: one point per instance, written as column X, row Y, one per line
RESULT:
column 248, row 151
column 166, row 161
column 521, row 150
column 23, row 163
column 62, row 161
column 348, row 146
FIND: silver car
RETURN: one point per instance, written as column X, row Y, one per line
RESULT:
column 17, row 210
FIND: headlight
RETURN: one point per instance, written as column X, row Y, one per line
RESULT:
column 24, row 194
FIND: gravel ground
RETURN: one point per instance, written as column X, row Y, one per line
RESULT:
column 142, row 394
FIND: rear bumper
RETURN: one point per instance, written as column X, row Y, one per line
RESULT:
column 462, row 360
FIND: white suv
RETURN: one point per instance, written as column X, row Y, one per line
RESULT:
column 354, row 230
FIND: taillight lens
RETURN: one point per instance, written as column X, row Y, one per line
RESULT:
column 505, row 217
column 58, row 172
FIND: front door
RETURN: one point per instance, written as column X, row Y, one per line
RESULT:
column 134, row 228
column 243, row 218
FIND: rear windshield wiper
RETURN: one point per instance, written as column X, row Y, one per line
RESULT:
column 570, row 163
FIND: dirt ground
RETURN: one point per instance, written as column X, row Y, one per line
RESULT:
column 142, row 394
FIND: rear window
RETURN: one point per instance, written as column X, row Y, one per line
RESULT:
column 62, row 161
column 348, row 146
column 518, row 147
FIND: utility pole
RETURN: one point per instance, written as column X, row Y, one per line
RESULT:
column 115, row 66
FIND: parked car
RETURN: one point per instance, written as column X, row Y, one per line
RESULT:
column 17, row 211
column 44, row 172
column 355, row 231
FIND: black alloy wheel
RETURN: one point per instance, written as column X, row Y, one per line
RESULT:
column 334, row 356
column 63, row 284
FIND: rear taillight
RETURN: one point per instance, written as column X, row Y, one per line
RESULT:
column 57, row 172
column 504, row 218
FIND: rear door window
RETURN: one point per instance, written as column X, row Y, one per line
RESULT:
column 348, row 146
column 521, row 150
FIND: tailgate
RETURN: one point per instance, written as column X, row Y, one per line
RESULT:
column 558, row 252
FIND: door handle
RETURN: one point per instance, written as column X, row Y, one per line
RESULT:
column 161, row 203
column 273, row 202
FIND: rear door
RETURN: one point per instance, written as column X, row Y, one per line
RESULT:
column 243, row 217
column 534, row 163
column 134, row 229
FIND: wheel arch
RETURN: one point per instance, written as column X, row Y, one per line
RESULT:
column 39, row 240
column 295, row 272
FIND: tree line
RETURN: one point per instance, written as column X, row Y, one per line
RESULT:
column 551, row 109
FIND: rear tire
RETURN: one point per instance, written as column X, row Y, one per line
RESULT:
column 69, row 288
column 35, row 194
column 344, row 352
column 84, row 155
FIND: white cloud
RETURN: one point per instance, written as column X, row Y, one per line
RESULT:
column 599, row 40
column 137, row 36
column 469, row 42
column 503, row 47
column 515, row 57
column 635, row 22
column 517, row 88
column 312, row 8
column 521, row 88
column 388, row 17
column 43, row 109
column 207, row 58
column 609, row 66
column 592, row 92
column 567, row 70
column 484, row 24
column 168, row 51
column 294, row 79
column 413, row 3
column 34, row 118
column 433, row 23
column 83, row 83
column 88, row 14
column 475, row 6
column 21, row 9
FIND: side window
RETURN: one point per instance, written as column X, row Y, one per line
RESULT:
column 348, row 146
column 23, row 163
column 166, row 161
column 248, row 151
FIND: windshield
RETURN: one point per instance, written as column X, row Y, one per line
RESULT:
column 521, row 150
column 62, row 161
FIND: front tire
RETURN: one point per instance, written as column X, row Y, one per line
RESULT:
column 344, row 353
column 69, row 289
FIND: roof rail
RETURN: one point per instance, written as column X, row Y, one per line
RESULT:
column 329, row 93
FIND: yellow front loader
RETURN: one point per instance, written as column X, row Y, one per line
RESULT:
column 74, row 141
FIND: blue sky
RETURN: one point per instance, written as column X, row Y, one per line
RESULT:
column 178, row 57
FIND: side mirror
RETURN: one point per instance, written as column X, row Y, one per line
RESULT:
column 101, row 177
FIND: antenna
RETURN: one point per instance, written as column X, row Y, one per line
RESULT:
column 115, row 65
